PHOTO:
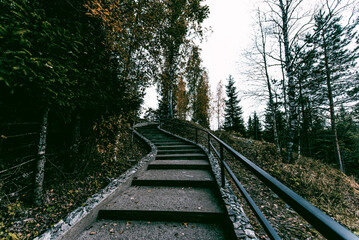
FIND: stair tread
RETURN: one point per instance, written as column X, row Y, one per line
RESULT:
column 180, row 162
column 176, row 174
column 178, row 146
column 166, row 199
column 183, row 155
column 115, row 229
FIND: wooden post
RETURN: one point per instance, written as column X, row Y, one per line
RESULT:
column 196, row 135
column 40, row 166
column 209, row 142
column 222, row 165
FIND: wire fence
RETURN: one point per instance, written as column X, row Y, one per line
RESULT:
column 18, row 145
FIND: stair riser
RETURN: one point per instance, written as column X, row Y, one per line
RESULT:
column 169, row 143
column 174, row 183
column 169, row 157
column 174, row 147
column 168, row 152
column 170, row 216
column 194, row 167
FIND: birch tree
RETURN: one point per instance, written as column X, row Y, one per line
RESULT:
column 219, row 104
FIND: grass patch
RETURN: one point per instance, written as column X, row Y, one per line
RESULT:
column 330, row 190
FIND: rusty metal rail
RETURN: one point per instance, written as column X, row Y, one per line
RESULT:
column 319, row 220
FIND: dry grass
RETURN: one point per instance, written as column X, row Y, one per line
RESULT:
column 324, row 186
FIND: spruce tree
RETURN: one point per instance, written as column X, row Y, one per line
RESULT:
column 336, row 60
column 233, row 120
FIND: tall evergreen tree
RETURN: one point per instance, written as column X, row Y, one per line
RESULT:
column 254, row 129
column 336, row 59
column 233, row 120
column 268, row 132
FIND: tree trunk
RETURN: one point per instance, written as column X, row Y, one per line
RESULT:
column 76, row 135
column 299, row 140
column 271, row 103
column 170, row 103
column 40, row 167
column 331, row 105
column 291, row 84
column 284, row 87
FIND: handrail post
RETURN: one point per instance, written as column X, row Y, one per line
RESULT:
column 209, row 142
column 222, row 165
column 196, row 135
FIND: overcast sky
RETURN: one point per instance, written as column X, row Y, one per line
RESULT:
column 231, row 23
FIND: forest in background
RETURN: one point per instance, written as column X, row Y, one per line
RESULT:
column 72, row 80
column 73, row 75
column 303, row 64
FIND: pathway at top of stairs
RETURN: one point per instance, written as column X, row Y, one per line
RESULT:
column 176, row 197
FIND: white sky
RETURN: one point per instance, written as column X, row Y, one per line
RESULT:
column 232, row 30
column 231, row 22
column 231, row 25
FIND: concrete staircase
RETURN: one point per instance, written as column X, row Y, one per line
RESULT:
column 176, row 197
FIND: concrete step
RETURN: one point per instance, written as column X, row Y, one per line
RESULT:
column 162, row 138
column 176, row 174
column 177, row 147
column 176, row 199
column 171, row 216
column 189, row 156
column 175, row 183
column 171, row 143
column 179, row 151
column 114, row 229
column 179, row 164
column 165, row 140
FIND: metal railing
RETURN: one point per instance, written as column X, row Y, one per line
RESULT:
column 319, row 220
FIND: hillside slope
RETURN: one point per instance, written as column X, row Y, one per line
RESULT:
column 325, row 187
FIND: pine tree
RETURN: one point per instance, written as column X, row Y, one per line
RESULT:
column 331, row 42
column 254, row 129
column 233, row 120
column 268, row 132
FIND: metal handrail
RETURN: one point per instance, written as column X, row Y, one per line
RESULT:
column 324, row 224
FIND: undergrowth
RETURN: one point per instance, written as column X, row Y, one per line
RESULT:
column 101, row 161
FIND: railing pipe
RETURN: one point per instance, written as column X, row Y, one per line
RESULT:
column 261, row 218
column 215, row 151
column 320, row 221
